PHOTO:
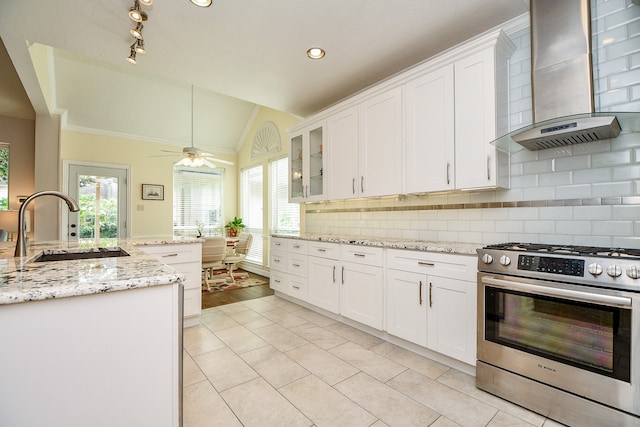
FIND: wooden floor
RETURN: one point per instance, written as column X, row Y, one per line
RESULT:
column 236, row 295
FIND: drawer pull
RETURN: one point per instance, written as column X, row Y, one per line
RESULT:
column 343, row 275
column 296, row 265
column 428, row 264
column 430, row 296
column 359, row 255
column 277, row 261
column 296, row 246
column 169, row 255
column 295, row 287
column 321, row 250
column 277, row 244
column 420, row 292
column 334, row 274
column 276, row 280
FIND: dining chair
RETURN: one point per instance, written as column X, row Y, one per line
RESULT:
column 241, row 250
column 213, row 258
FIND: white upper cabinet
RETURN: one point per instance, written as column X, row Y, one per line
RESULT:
column 380, row 154
column 306, row 164
column 429, row 132
column 342, row 154
column 481, row 93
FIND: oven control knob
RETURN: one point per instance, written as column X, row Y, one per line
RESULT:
column 505, row 260
column 595, row 269
column 487, row 259
column 633, row 272
column 614, row 270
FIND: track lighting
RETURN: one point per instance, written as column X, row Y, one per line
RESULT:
column 136, row 14
column 202, row 3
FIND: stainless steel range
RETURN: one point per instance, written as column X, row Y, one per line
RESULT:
column 559, row 331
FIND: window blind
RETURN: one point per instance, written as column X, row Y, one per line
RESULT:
column 197, row 196
column 252, row 213
column 285, row 216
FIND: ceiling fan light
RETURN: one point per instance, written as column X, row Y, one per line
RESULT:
column 202, row 3
column 137, row 31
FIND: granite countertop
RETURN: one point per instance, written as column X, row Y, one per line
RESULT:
column 23, row 280
column 416, row 245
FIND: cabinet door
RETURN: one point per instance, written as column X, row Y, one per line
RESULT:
column 451, row 319
column 279, row 281
column 361, row 294
column 342, row 153
column 380, row 150
column 429, row 132
column 306, row 164
column 475, row 120
column 406, row 306
column 315, row 189
column 296, row 168
column 323, row 285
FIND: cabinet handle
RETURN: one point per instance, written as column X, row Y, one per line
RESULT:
column 321, row 250
column 362, row 184
column 448, row 176
column 277, row 244
column 169, row 255
column 343, row 275
column 353, row 186
column 295, row 287
column 334, row 274
column 420, row 292
column 359, row 255
column 277, row 261
column 428, row 264
column 296, row 246
column 276, row 280
column 296, row 265
column 430, row 296
column 488, row 168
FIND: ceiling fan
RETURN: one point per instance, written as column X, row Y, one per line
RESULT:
column 192, row 156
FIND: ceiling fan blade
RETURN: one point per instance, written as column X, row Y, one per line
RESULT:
column 165, row 155
column 207, row 163
column 171, row 151
column 215, row 159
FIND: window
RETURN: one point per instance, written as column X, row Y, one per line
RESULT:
column 285, row 216
column 197, row 198
column 4, row 176
column 252, row 212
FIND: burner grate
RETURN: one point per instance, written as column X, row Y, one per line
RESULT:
column 567, row 249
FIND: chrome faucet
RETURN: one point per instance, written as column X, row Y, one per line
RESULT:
column 21, row 244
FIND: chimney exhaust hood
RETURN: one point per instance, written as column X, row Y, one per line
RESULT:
column 562, row 82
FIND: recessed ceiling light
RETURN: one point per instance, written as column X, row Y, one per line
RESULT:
column 315, row 53
column 202, row 3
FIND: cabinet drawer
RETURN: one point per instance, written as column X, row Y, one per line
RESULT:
column 192, row 274
column 174, row 254
column 192, row 302
column 433, row 263
column 297, row 264
column 297, row 246
column 298, row 288
column 279, row 281
column 324, row 250
column 278, row 261
column 278, row 243
column 362, row 255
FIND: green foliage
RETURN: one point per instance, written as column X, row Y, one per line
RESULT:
column 4, row 165
column 108, row 216
column 236, row 224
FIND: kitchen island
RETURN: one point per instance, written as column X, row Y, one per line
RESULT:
column 89, row 341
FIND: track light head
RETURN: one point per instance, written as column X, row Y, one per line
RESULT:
column 139, row 46
column 137, row 31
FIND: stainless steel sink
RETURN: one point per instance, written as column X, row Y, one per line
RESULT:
column 53, row 255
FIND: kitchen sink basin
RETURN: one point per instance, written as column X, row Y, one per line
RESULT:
column 51, row 255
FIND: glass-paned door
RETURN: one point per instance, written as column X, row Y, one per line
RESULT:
column 101, row 193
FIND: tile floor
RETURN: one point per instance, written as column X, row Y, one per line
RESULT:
column 269, row 362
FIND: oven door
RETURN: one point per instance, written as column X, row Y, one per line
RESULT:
column 580, row 339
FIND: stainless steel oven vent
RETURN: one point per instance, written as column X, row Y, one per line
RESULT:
column 587, row 129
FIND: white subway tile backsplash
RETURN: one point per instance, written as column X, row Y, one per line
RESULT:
column 612, row 189
column 587, row 176
column 603, row 241
column 573, row 191
column 626, row 173
column 592, row 212
column 540, row 193
column 557, row 213
column 556, row 178
column 523, row 214
column 625, row 242
column 539, row 227
column 626, row 212
column 524, row 181
column 572, row 163
column 614, row 228
column 573, row 227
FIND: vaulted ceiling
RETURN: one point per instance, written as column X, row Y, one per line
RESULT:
column 70, row 56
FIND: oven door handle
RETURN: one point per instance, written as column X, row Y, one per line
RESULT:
column 587, row 297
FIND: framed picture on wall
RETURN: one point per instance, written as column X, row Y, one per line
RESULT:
column 152, row 192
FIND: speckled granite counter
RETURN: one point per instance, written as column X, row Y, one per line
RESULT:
column 416, row 245
column 23, row 280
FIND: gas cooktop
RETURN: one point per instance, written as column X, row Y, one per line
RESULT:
column 567, row 249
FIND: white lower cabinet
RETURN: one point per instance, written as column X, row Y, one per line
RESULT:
column 185, row 258
column 324, row 288
column 406, row 306
column 361, row 293
column 288, row 265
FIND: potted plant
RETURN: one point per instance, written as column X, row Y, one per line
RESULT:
column 234, row 227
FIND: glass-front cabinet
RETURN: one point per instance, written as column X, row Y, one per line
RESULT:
column 306, row 164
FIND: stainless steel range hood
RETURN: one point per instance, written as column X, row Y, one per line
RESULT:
column 562, row 81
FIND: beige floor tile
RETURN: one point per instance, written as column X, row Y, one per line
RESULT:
column 319, row 336
column 258, row 404
column 379, row 424
column 551, row 423
column 389, row 405
column 502, row 419
column 284, row 318
column 230, row 309
column 444, row 422
column 198, row 340
column 240, row 339
column 379, row 367
column 259, row 305
column 224, row 368
column 458, row 407
column 274, row 366
column 258, row 323
column 324, row 405
column 218, row 321
column 280, row 338
column 281, row 303
column 467, row 384
column 246, row 316
column 321, row 363
column 352, row 334
column 203, row 407
column 313, row 317
column 411, row 360
column 191, row 373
